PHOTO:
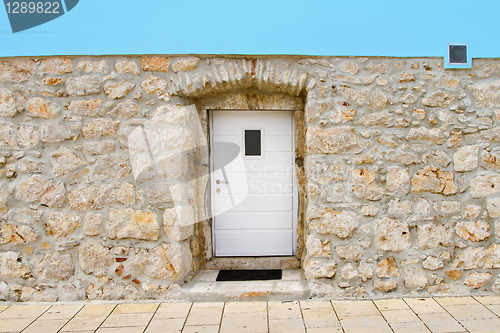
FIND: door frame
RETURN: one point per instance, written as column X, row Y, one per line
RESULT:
column 295, row 194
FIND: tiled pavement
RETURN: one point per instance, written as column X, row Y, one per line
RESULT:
column 447, row 314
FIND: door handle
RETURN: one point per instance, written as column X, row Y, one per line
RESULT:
column 220, row 182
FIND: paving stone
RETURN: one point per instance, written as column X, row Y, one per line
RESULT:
column 172, row 310
column 58, row 312
column 246, row 307
column 205, row 314
column 486, row 300
column 20, row 311
column 456, row 300
column 79, row 324
column 45, row 326
column 135, row 329
column 127, row 320
column 96, row 310
column 391, row 304
column 165, row 325
column 255, row 322
column 348, row 309
column 441, row 323
column 373, row 324
column 201, row 329
column 135, row 308
column 14, row 325
column 465, row 312
column 284, row 310
column 424, row 305
column 286, row 325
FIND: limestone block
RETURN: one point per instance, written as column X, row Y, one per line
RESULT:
column 392, row 235
column 385, row 286
column 447, row 83
column 414, row 278
column 482, row 186
column 91, row 197
column 432, row 136
column 159, row 193
column 98, row 147
column 431, row 236
column 126, row 66
column 438, row 99
column 449, row 207
column 128, row 223
column 172, row 114
column 126, row 195
column 473, row 231
column 92, row 224
column 387, row 268
column 112, row 167
column 352, row 94
column 317, row 269
column 348, row 272
column 16, row 234
column 470, row 258
column 26, row 137
column 7, row 103
column 432, row 263
column 64, row 161
column 339, row 140
column 60, row 225
column 105, row 289
column 376, row 119
column 93, row 257
column 40, row 108
column 490, row 161
column 493, row 207
column 318, row 248
column 38, row 189
column 165, row 261
column 398, row 180
column 492, row 257
column 7, row 293
column 408, row 99
column 378, row 100
column 83, row 85
column 400, row 207
column 349, row 67
column 441, row 158
column 11, row 265
column 404, row 158
column 100, row 66
column 177, row 139
column 99, row 128
column 52, row 133
column 16, row 71
column 454, row 274
column 55, row 66
column 487, row 94
column 185, row 64
column 432, row 179
column 159, row 64
column 126, row 110
column 29, row 294
column 328, row 221
column 178, row 222
column 143, row 168
column 406, row 77
column 85, row 107
column 477, row 280
column 365, row 271
column 55, row 266
column 172, row 166
column 466, row 158
column 363, row 185
column 154, row 85
column 116, row 90
column 348, row 252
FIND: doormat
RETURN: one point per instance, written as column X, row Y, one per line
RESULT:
column 249, row 274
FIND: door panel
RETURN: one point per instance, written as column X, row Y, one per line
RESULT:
column 252, row 195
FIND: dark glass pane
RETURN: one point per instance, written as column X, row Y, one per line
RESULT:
column 252, row 143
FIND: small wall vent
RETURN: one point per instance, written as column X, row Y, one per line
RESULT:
column 458, row 55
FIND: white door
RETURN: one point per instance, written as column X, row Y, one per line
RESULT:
column 253, row 183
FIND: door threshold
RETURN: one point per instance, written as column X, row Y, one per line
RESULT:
column 253, row 263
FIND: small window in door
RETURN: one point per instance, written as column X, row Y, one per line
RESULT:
column 253, row 142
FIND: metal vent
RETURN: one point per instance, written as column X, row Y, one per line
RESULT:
column 457, row 54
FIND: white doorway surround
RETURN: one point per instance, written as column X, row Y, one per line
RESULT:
column 254, row 196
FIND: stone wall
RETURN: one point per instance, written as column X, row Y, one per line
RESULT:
column 104, row 162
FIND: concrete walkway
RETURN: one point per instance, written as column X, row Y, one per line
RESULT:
column 448, row 314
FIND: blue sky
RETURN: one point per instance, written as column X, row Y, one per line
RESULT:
column 308, row 27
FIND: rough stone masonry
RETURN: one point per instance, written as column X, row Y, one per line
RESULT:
column 104, row 173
